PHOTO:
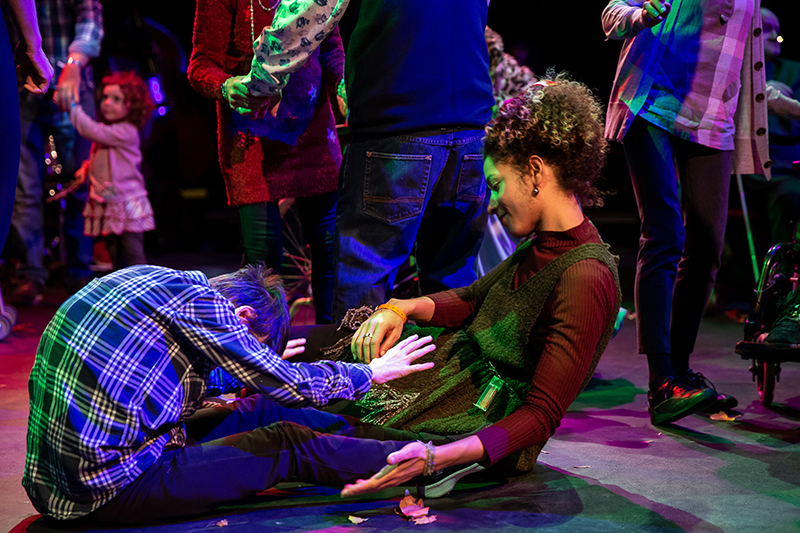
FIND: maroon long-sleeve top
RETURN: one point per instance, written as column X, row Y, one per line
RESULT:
column 567, row 333
column 296, row 154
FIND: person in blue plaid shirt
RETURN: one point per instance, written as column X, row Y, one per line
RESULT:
column 126, row 361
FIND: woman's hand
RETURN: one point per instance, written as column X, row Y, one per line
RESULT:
column 397, row 361
column 294, row 347
column 376, row 335
column 404, row 464
column 654, row 12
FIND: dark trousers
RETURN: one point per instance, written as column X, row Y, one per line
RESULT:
column 240, row 449
column 682, row 193
column 262, row 232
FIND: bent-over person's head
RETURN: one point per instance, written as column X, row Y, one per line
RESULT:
column 561, row 122
column 255, row 286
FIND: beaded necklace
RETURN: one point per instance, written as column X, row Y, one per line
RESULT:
column 267, row 9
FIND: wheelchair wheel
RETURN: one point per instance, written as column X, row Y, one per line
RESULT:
column 5, row 327
column 766, row 382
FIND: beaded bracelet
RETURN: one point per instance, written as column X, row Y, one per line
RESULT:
column 394, row 309
column 430, row 458
column 225, row 91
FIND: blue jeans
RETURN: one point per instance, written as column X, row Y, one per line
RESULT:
column 397, row 191
column 41, row 118
column 247, row 447
column 682, row 235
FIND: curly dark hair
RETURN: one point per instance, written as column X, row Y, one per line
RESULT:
column 136, row 95
column 258, row 287
column 561, row 121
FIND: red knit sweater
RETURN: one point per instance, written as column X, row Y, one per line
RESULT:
column 295, row 155
column 568, row 330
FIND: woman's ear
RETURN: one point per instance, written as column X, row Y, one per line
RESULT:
column 535, row 168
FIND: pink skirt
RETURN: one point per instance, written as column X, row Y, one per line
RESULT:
column 116, row 218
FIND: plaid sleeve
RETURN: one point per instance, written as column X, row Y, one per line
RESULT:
column 88, row 28
column 209, row 325
column 297, row 30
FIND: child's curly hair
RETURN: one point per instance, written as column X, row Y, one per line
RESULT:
column 561, row 122
column 136, row 95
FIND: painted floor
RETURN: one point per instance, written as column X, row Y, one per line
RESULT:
column 606, row 468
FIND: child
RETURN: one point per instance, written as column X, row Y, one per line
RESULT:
column 117, row 208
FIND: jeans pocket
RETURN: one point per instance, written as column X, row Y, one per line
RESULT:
column 395, row 185
column 471, row 191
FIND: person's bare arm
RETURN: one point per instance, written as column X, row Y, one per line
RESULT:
column 410, row 461
column 35, row 69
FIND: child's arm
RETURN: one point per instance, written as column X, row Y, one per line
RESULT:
column 80, row 177
column 119, row 134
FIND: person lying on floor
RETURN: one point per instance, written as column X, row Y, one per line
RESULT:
column 515, row 348
column 124, row 364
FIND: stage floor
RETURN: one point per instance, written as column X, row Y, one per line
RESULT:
column 605, row 469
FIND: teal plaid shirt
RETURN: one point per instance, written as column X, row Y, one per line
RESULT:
column 124, row 362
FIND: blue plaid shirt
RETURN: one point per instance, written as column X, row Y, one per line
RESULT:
column 69, row 26
column 124, row 362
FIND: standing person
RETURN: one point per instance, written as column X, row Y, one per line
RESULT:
column 293, row 155
column 412, row 179
column 672, row 106
column 117, row 209
column 125, row 363
column 413, row 171
column 35, row 73
column 71, row 34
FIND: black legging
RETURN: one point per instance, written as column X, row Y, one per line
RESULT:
column 262, row 232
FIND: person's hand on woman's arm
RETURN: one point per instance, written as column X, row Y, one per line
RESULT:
column 34, row 67
column 381, row 330
column 410, row 461
column 244, row 103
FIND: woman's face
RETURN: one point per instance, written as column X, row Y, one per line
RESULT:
column 512, row 199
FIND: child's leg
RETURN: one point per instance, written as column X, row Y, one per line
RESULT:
column 112, row 245
column 132, row 245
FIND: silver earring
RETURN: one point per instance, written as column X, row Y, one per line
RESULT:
column 535, row 191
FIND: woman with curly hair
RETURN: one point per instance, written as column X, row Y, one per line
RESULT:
column 515, row 348
column 117, row 208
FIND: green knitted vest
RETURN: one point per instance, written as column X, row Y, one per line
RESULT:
column 494, row 344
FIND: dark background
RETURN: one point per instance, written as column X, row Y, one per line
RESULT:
column 180, row 153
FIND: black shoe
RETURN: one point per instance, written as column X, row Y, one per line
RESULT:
column 442, row 481
column 673, row 400
column 696, row 380
column 786, row 331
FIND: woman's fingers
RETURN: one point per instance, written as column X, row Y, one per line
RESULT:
column 403, row 465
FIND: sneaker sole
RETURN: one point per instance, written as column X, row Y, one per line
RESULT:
column 444, row 486
column 703, row 402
